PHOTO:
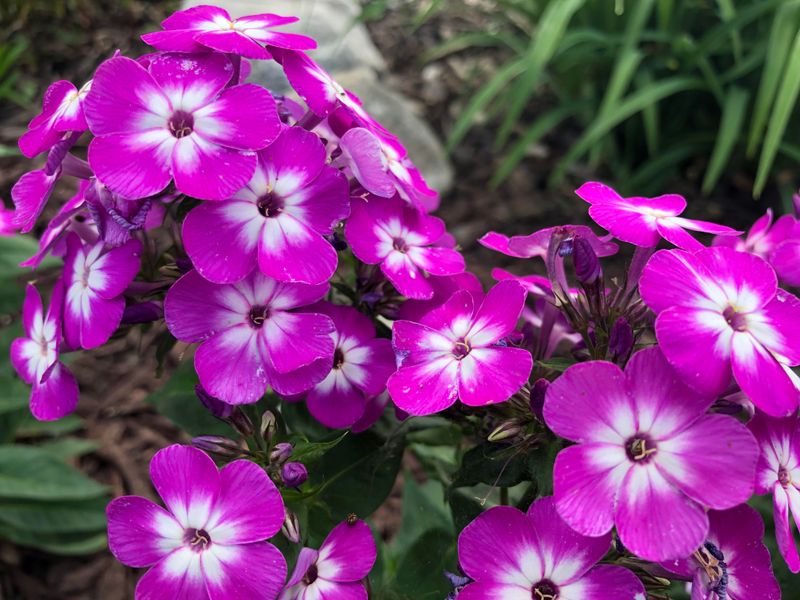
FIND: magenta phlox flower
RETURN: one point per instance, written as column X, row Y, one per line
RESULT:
column 512, row 555
column 537, row 243
column 645, row 453
column 457, row 352
column 337, row 568
column 249, row 336
column 95, row 279
column 720, row 312
column 54, row 391
column 210, row 541
column 443, row 288
column 733, row 563
column 400, row 238
column 778, row 473
column 277, row 221
column 644, row 221
column 62, row 111
column 178, row 120
column 201, row 27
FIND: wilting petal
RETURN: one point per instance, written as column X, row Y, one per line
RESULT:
column 243, row 117
column 249, row 507
column 140, row 533
column 604, row 582
column 243, row 572
column 765, row 381
column 134, row 165
column 231, row 367
column 205, row 170
column 425, row 388
column 178, row 576
column 188, row 482
column 586, row 480
column 590, row 402
column 654, row 519
column 489, row 375
column 56, row 396
column 348, row 553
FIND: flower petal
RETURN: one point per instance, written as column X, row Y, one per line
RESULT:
column 348, row 553
column 295, row 340
column 482, row 590
column 498, row 314
column 244, row 117
column 766, row 382
column 784, row 532
column 56, row 396
column 140, row 533
column 289, row 250
column 425, row 388
column 230, row 365
column 243, row 572
column 489, row 375
column 134, row 165
column 205, row 170
column 178, row 576
column 30, row 195
column 604, row 582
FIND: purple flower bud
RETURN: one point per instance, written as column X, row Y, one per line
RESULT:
column 241, row 422
column 269, row 425
column 144, row 312
column 291, row 527
column 505, row 431
column 216, row 444
column 620, row 342
column 587, row 265
column 538, row 392
column 294, row 474
column 280, row 453
column 216, row 407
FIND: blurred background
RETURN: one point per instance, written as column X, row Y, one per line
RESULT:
column 523, row 101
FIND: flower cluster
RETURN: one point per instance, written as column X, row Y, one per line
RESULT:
column 288, row 243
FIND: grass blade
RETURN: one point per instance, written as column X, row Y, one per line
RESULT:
column 784, row 104
column 733, row 113
column 728, row 11
column 471, row 40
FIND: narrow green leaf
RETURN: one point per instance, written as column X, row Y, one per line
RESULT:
column 650, row 116
column 660, row 166
column 728, row 12
column 424, row 508
column 65, row 545
column 70, row 447
column 27, row 472
column 779, row 119
column 472, row 40
column 33, row 428
column 308, row 452
column 55, row 517
column 730, row 126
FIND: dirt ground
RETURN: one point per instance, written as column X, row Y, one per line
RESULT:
column 116, row 379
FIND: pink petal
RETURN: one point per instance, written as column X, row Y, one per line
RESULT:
column 783, row 527
column 363, row 233
column 425, row 388
column 655, row 520
column 785, row 259
column 196, row 17
column 323, row 203
column 677, row 278
column 705, row 226
column 310, row 81
column 404, row 275
column 243, row 572
column 300, row 380
column 30, row 194
column 590, row 402
column 781, row 331
column 244, row 117
column 118, row 267
column 766, row 382
column 178, row 576
column 498, row 314
column 55, row 397
column 188, row 482
column 416, row 341
column 625, row 224
column 362, row 151
column 232, row 42
column 674, row 234
column 32, row 309
column 175, row 40
column 295, row 340
column 348, row 553
column 230, row 365
column 604, row 582
column 490, row 375
column 191, row 81
column 499, row 243
column 205, row 170
column 140, row 533
column 249, row 507
column 305, row 559
column 595, row 192
column 134, row 165
column 586, row 480
column 289, row 250
column 297, row 157
column 374, row 362
column 437, row 260
column 24, row 355
column 336, row 402
column 751, row 276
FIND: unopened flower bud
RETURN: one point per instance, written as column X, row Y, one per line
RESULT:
column 505, row 431
column 241, row 422
column 294, row 474
column 538, row 392
column 280, row 453
column 291, row 527
column 144, row 312
column 620, row 341
column 215, row 406
column 218, row 445
column 269, row 425
column 587, row 265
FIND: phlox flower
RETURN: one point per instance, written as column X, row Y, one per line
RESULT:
column 200, row 27
column 176, row 119
column 361, row 365
column 95, row 279
column 537, row 243
column 210, row 542
column 733, row 563
column 62, row 111
column 778, row 472
column 645, row 454
column 401, row 239
column 720, row 312
column 54, row 392
column 778, row 243
column 337, row 568
column 277, row 221
column 457, row 352
column 512, row 555
column 249, row 338
column 644, row 221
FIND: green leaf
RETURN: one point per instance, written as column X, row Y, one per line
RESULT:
column 14, row 250
column 733, row 113
column 557, row 363
column 464, row 509
column 424, row 509
column 63, row 544
column 70, row 447
column 728, row 11
column 492, row 464
column 308, row 452
column 420, row 573
column 779, row 119
column 55, row 517
column 30, row 427
column 784, row 28
column 27, row 472
column 178, row 402
column 478, row 39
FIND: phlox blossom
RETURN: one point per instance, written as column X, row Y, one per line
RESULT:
column 62, row 111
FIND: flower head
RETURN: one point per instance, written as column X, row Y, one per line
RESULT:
column 201, row 27
column 535, row 555
column 644, row 221
column 456, row 352
column 720, row 312
column 337, row 568
column 248, row 336
column 210, row 540
column 176, row 120
column 647, row 457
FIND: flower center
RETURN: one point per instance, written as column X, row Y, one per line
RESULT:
column 400, row 245
column 737, row 320
column 640, row 448
column 545, row 590
column 712, row 561
column 784, row 477
column 311, row 575
column 338, row 358
column 181, row 124
column 461, row 349
column 198, row 539
column 259, row 314
column 270, row 205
